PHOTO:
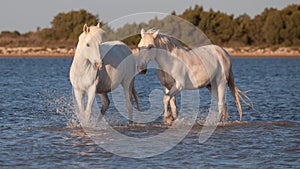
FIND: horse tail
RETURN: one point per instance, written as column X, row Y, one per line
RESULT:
column 136, row 98
column 238, row 94
column 235, row 93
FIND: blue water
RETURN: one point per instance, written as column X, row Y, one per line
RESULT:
column 39, row 130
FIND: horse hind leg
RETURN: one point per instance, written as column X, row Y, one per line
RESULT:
column 105, row 104
column 218, row 91
column 213, row 90
column 136, row 98
column 222, row 101
column 127, row 87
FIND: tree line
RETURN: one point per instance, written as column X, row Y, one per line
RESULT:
column 272, row 27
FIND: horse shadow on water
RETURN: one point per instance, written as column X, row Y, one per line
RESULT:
column 101, row 67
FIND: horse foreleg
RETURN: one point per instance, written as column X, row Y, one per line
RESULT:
column 170, row 97
column 91, row 98
column 175, row 89
column 173, row 107
column 79, row 94
column 168, row 119
column 105, row 104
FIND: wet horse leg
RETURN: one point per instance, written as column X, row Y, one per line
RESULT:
column 80, row 100
column 170, row 97
column 213, row 89
column 127, row 87
column 168, row 119
column 175, row 89
column 173, row 107
column 91, row 93
column 105, row 104
column 222, row 101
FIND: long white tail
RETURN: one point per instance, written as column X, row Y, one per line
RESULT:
column 238, row 94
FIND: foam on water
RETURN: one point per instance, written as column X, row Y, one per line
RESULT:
column 64, row 105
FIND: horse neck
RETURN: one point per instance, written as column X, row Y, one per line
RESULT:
column 164, row 59
column 78, row 58
column 81, row 64
column 169, row 55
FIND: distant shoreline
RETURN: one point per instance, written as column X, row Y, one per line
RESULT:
column 40, row 52
column 282, row 52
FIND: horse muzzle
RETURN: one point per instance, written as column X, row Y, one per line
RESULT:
column 99, row 66
column 142, row 71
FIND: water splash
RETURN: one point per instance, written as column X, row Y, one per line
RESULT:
column 61, row 104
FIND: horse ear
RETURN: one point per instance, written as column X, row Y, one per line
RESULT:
column 98, row 25
column 155, row 34
column 142, row 32
column 86, row 29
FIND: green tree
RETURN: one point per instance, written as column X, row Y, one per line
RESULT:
column 69, row 25
column 290, row 33
column 242, row 31
column 13, row 34
column 192, row 15
column 272, row 27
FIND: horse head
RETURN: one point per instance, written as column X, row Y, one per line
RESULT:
column 88, row 45
column 145, row 46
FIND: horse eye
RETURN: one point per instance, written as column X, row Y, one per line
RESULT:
column 88, row 45
column 150, row 46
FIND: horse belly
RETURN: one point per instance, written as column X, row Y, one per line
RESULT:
column 119, row 66
column 194, row 79
column 104, row 85
column 109, row 78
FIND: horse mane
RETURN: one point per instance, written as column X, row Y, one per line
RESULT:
column 167, row 42
column 95, row 30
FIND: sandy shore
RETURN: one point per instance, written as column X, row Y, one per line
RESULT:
column 36, row 52
column 267, row 52
column 62, row 52
column 253, row 52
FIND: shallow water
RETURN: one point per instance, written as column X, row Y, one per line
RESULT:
column 38, row 128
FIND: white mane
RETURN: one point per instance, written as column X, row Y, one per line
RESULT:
column 167, row 42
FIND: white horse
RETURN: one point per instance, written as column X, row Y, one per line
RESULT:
column 99, row 68
column 180, row 68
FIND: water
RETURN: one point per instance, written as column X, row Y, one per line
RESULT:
column 38, row 128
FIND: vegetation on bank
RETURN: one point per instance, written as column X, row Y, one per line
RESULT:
column 272, row 28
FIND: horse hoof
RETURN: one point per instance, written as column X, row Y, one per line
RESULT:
column 169, row 120
column 130, row 123
column 224, row 119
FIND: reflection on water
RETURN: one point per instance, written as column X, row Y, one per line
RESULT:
column 38, row 127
